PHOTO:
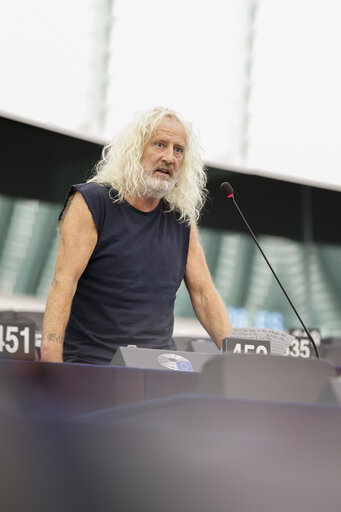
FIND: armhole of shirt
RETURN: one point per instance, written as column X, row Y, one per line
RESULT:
column 94, row 202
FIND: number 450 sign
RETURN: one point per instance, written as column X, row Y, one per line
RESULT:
column 17, row 341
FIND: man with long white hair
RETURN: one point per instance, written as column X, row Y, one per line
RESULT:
column 128, row 237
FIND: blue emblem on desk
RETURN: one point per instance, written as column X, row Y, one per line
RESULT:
column 175, row 362
column 185, row 366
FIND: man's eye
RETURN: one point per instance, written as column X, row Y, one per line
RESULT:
column 179, row 150
column 159, row 144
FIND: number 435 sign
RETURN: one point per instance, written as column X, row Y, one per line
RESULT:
column 301, row 346
column 17, row 341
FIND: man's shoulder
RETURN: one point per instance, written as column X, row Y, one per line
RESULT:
column 91, row 187
column 94, row 191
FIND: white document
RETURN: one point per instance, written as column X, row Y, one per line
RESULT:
column 279, row 341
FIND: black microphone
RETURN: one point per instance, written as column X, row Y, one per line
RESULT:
column 228, row 191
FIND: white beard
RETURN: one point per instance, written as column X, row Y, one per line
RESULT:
column 156, row 187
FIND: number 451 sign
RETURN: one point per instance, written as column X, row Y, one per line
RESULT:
column 17, row 341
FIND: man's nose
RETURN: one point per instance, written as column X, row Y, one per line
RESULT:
column 168, row 155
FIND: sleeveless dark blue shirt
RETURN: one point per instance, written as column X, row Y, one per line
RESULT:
column 126, row 293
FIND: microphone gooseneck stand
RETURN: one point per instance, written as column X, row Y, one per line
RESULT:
column 229, row 192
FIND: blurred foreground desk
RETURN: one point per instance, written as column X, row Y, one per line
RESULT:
column 83, row 437
column 186, row 453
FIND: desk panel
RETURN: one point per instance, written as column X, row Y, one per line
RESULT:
column 52, row 388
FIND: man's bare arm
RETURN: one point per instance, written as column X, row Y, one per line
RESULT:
column 78, row 238
column 207, row 303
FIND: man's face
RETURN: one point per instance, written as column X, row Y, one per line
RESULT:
column 162, row 157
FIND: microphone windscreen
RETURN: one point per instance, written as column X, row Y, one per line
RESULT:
column 226, row 188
